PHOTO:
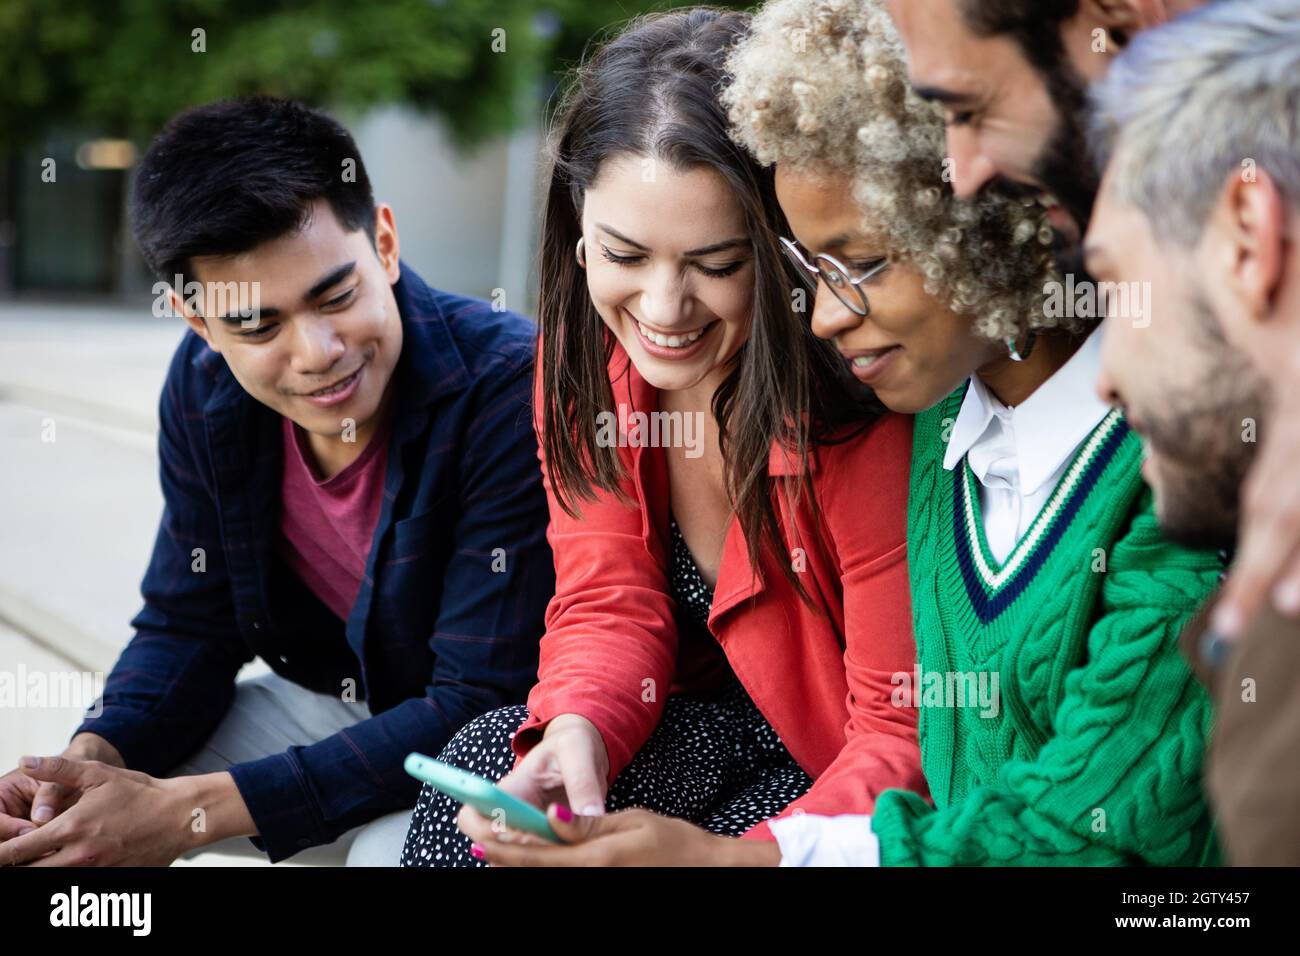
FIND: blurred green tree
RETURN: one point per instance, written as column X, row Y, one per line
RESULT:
column 122, row 67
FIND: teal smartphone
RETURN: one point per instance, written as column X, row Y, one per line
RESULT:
column 481, row 794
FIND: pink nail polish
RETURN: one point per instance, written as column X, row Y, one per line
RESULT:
column 564, row 813
column 476, row 852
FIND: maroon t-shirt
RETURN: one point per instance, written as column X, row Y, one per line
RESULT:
column 326, row 526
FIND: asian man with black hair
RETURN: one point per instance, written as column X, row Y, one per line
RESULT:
column 352, row 494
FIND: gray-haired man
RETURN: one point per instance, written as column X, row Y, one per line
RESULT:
column 1201, row 196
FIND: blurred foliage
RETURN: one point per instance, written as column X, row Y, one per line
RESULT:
column 122, row 67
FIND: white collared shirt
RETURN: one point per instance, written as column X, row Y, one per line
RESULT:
column 1018, row 456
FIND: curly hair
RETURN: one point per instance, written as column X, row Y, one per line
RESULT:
column 822, row 85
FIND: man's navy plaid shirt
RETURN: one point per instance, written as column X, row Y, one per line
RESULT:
column 446, row 626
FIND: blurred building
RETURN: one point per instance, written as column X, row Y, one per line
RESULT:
column 466, row 221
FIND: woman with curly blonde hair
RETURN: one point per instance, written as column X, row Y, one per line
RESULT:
column 1058, row 723
column 820, row 90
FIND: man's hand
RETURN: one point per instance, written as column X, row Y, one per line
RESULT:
column 121, row 817
column 53, row 798
column 27, row 803
column 628, row 838
column 17, row 790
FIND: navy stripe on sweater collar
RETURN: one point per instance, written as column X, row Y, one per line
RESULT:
column 989, row 605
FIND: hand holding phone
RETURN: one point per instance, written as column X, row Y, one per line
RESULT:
column 480, row 794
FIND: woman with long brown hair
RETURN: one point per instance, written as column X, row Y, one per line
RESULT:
column 722, row 638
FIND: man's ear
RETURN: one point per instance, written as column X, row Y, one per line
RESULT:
column 1253, row 213
column 387, row 246
column 192, row 318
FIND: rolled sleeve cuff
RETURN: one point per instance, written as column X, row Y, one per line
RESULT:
column 275, row 791
column 809, row 840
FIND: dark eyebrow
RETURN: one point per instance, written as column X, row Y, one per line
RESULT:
column 238, row 320
column 690, row 254
column 235, row 319
column 332, row 278
column 716, row 247
column 622, row 238
column 835, row 242
column 937, row 94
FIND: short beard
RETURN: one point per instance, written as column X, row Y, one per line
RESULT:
column 1201, row 493
column 1065, row 164
column 1201, row 509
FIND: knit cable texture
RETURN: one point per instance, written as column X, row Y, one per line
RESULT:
column 1093, row 754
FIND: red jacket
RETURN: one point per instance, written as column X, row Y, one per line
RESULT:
column 821, row 678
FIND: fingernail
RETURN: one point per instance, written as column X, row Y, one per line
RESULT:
column 26, row 830
column 1215, row 648
column 31, row 763
column 1286, row 597
column 43, row 814
column 476, row 852
column 564, row 813
column 1226, row 621
column 592, row 810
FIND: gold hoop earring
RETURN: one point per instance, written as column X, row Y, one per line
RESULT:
column 581, row 253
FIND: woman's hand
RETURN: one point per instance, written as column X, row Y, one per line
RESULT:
column 569, row 765
column 630, row 838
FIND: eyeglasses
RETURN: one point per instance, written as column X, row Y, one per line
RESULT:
column 845, row 286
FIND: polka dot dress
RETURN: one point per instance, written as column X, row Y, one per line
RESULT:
column 712, row 760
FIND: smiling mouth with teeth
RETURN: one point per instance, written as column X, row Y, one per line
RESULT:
column 673, row 341
column 331, row 389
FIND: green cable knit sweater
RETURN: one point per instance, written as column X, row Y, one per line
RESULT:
column 1094, row 754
